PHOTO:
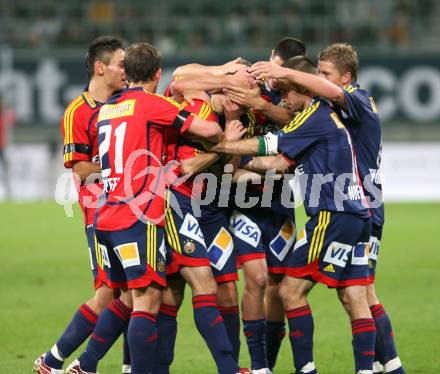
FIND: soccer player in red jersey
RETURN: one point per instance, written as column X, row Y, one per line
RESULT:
column 129, row 224
column 193, row 237
column 104, row 61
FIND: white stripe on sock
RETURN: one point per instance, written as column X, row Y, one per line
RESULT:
column 392, row 364
column 308, row 368
column 377, row 367
column 126, row 369
column 56, row 353
column 365, row 372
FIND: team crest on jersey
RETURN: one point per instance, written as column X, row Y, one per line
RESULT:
column 374, row 248
column 128, row 254
column 220, row 249
column 191, row 229
column 243, row 228
column 338, row 254
column 360, row 254
column 281, row 244
column 301, row 239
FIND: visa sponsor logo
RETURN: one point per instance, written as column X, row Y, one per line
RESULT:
column 281, row 244
column 220, row 249
column 191, row 229
column 338, row 254
column 243, row 228
column 374, row 248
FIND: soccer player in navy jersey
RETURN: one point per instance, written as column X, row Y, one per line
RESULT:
column 333, row 247
column 338, row 66
column 105, row 65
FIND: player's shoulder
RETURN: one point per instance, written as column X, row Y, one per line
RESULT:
column 75, row 106
column 158, row 99
column 317, row 114
column 354, row 89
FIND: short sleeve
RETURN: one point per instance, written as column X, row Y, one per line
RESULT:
column 74, row 129
column 168, row 112
column 306, row 129
column 357, row 101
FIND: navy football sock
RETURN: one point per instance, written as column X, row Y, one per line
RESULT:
column 210, row 325
column 275, row 332
column 231, row 318
column 142, row 339
column 167, row 331
column 126, row 349
column 81, row 326
column 111, row 323
column 301, row 328
column 364, row 338
column 255, row 333
column 386, row 351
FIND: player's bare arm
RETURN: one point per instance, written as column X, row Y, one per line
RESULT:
column 85, row 168
column 190, row 69
column 263, row 163
column 313, row 83
column 208, row 130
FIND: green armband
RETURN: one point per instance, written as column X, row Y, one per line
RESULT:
column 261, row 146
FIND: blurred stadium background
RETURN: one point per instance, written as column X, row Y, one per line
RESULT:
column 42, row 46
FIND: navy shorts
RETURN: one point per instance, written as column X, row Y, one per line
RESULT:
column 134, row 257
column 333, row 249
column 184, row 236
column 95, row 254
column 375, row 238
column 268, row 233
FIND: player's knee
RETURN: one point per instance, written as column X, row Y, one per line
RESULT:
column 371, row 295
column 227, row 294
column 256, row 282
column 206, row 287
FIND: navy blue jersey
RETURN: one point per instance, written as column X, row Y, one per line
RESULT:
column 321, row 146
column 362, row 121
column 274, row 95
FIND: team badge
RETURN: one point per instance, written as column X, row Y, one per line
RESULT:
column 189, row 247
column 161, row 266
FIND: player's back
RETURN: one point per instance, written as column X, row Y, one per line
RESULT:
column 363, row 123
column 131, row 130
column 321, row 146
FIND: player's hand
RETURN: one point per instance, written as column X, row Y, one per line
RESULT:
column 263, row 70
column 242, row 78
column 231, row 110
column 232, row 67
column 248, row 97
column 234, row 130
column 190, row 95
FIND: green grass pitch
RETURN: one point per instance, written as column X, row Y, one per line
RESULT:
column 45, row 276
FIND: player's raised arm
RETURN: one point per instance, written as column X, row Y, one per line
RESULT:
column 229, row 67
column 317, row 85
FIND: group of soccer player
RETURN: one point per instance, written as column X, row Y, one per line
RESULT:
column 189, row 187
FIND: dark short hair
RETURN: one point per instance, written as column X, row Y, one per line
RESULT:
column 289, row 47
column 303, row 64
column 101, row 49
column 141, row 62
column 343, row 56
